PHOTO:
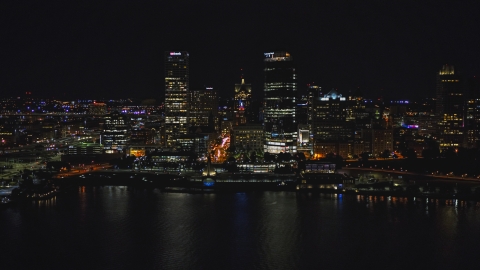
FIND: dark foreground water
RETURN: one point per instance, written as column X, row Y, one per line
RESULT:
column 126, row 228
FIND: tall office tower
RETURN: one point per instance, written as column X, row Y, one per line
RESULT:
column 329, row 119
column 176, row 96
column 427, row 120
column 313, row 91
column 115, row 133
column 450, row 108
column 331, row 130
column 243, row 98
column 203, row 107
column 472, row 118
column 255, row 111
column 304, row 119
column 280, row 91
column 357, row 113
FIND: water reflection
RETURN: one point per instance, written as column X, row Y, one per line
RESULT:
column 50, row 202
column 121, row 227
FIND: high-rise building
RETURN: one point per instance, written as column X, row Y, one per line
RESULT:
column 304, row 119
column 381, row 140
column 114, row 136
column 331, row 131
column 450, row 108
column 280, row 91
column 329, row 119
column 255, row 111
column 313, row 92
column 243, row 97
column 203, row 107
column 472, row 118
column 176, row 96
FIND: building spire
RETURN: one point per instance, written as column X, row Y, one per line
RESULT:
column 241, row 76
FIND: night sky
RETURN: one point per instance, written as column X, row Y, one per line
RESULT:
column 100, row 49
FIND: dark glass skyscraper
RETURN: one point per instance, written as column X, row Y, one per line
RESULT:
column 450, row 108
column 280, row 91
column 329, row 119
column 203, row 107
column 176, row 96
column 472, row 117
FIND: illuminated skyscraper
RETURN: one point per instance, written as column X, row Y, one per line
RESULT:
column 280, row 91
column 329, row 118
column 176, row 96
column 203, row 107
column 450, row 108
column 472, row 117
column 243, row 97
column 114, row 135
column 313, row 92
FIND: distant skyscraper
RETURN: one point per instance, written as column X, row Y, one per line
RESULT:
column 450, row 108
column 176, row 96
column 329, row 119
column 203, row 107
column 114, row 135
column 357, row 113
column 313, row 91
column 243, row 97
column 332, row 132
column 472, row 117
column 280, row 91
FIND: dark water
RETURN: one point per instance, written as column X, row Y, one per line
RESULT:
column 126, row 228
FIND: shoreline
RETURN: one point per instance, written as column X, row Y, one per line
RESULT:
column 192, row 183
column 429, row 188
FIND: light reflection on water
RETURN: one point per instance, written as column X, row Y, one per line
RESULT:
column 122, row 227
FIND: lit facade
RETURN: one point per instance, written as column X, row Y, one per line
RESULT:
column 248, row 138
column 6, row 135
column 382, row 139
column 329, row 119
column 243, row 97
column 473, row 113
column 142, row 136
column 203, row 107
column 313, row 92
column 450, row 108
column 97, row 108
column 226, row 127
column 356, row 111
column 176, row 96
column 279, row 111
column 331, row 131
column 196, row 143
column 114, row 136
column 85, row 149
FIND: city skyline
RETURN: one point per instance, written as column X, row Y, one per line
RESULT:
column 96, row 50
column 239, row 134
